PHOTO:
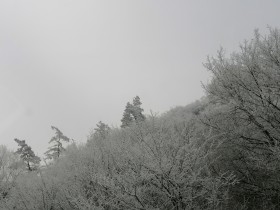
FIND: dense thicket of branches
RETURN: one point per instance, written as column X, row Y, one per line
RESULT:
column 221, row 152
column 245, row 93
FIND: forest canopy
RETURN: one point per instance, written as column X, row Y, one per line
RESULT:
column 220, row 152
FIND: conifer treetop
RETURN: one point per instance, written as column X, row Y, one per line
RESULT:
column 132, row 113
column 57, row 148
column 27, row 155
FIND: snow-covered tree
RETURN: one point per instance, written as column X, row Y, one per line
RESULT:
column 132, row 113
column 245, row 113
column 137, row 111
column 127, row 116
column 27, row 155
column 10, row 168
column 101, row 130
column 56, row 149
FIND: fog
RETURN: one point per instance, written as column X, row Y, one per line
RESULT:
column 73, row 63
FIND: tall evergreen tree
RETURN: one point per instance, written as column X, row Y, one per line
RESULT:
column 127, row 116
column 27, row 155
column 56, row 149
column 132, row 113
column 137, row 110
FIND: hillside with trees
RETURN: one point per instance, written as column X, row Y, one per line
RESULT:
column 220, row 152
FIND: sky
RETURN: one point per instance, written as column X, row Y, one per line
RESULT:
column 70, row 64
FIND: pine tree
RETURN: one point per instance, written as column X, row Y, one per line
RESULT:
column 137, row 110
column 132, row 113
column 27, row 155
column 127, row 116
column 55, row 151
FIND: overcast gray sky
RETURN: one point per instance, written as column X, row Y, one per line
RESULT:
column 71, row 63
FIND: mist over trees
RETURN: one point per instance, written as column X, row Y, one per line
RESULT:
column 220, row 152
